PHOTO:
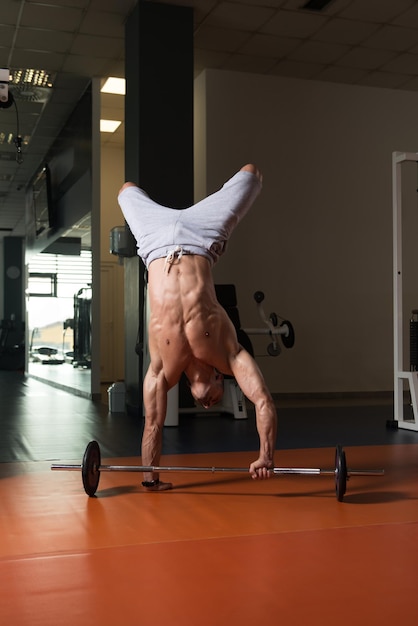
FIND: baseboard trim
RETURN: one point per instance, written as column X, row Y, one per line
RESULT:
column 332, row 397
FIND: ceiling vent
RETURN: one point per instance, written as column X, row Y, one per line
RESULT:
column 316, row 5
column 29, row 93
column 31, row 85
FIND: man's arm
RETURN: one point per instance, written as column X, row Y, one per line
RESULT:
column 155, row 403
column 253, row 386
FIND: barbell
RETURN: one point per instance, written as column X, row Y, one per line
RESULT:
column 91, row 469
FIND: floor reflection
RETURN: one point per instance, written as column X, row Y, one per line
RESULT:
column 63, row 376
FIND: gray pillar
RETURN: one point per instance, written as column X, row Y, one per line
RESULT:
column 158, row 142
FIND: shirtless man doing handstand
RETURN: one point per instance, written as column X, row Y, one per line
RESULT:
column 189, row 331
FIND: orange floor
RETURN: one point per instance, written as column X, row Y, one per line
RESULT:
column 217, row 550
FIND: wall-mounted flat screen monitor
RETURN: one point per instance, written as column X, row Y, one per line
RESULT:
column 42, row 201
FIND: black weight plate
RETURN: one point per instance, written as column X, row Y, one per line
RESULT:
column 345, row 470
column 289, row 340
column 90, row 471
column 340, row 473
column 273, row 350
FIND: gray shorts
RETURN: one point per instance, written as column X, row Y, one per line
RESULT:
column 202, row 229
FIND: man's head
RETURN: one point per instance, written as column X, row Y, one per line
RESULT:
column 208, row 390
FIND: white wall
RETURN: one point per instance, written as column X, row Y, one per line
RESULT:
column 112, row 179
column 318, row 241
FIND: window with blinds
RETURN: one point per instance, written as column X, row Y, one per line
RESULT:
column 56, row 283
column 58, row 276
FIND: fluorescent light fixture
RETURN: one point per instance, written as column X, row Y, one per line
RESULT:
column 109, row 126
column 114, row 85
column 36, row 78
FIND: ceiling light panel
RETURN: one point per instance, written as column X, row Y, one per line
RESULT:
column 109, row 126
column 114, row 85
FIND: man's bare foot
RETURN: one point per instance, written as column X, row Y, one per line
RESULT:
column 159, row 486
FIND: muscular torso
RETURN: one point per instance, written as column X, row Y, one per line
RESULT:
column 188, row 327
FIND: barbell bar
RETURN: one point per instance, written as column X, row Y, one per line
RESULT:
column 91, row 468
